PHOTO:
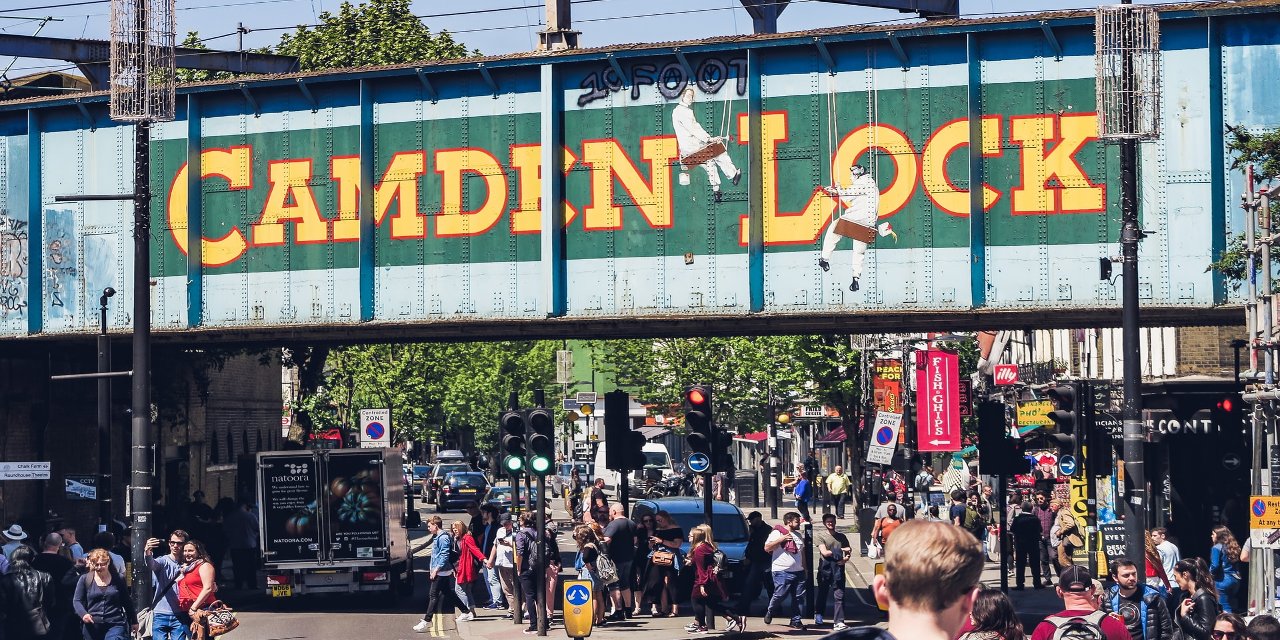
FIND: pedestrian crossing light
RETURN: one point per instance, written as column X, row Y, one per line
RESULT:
column 541, row 438
column 1065, row 418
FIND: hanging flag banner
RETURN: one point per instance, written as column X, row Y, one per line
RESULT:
column 886, row 385
column 884, row 437
column 938, row 402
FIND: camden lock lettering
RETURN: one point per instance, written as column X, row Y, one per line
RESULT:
column 1047, row 146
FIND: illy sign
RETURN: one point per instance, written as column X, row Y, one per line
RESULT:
column 1006, row 374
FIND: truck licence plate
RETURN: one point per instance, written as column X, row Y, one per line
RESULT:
column 281, row 591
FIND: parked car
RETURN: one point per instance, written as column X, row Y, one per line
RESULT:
column 564, row 469
column 431, row 490
column 459, row 488
column 500, row 497
column 450, row 455
column 728, row 526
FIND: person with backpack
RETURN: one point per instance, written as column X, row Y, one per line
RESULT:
column 1026, row 547
column 527, row 561
column 788, row 569
column 709, row 595
column 589, row 569
column 467, row 567
column 1080, row 618
column 975, row 518
column 1140, row 605
column 802, row 490
column 442, row 593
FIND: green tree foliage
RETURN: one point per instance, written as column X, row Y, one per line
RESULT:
column 449, row 392
column 376, row 32
column 1262, row 150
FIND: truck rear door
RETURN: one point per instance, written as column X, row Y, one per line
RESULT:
column 288, row 483
column 355, row 512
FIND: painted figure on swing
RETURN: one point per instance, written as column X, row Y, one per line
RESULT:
column 699, row 148
column 861, row 203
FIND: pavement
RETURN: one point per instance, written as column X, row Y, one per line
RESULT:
column 326, row 617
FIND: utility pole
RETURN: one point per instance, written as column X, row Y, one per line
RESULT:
column 104, row 415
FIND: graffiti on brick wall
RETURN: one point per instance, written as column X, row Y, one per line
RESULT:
column 13, row 265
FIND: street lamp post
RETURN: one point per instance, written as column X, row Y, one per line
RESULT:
column 104, row 415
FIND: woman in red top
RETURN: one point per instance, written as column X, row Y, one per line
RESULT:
column 197, row 584
column 708, row 592
column 467, row 570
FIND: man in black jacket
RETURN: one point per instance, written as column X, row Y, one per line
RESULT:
column 1027, row 533
column 1140, row 605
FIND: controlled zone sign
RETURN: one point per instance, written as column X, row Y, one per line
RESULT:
column 884, row 437
column 375, row 428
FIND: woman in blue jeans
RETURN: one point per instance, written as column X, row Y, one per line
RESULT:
column 102, row 601
column 1223, row 559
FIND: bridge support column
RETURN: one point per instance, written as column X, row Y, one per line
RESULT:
column 553, row 257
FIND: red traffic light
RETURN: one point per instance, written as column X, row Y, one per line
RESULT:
column 1226, row 404
column 696, row 396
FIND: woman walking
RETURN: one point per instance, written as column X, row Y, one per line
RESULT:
column 588, row 553
column 468, row 569
column 441, row 594
column 708, row 595
column 1196, row 614
column 664, row 565
column 197, row 584
column 1224, row 559
column 102, row 601
column 993, row 618
column 640, row 567
column 30, row 590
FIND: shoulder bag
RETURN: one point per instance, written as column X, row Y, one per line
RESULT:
column 218, row 618
column 145, row 616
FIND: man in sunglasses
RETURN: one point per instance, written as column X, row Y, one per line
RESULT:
column 1139, row 604
column 166, row 623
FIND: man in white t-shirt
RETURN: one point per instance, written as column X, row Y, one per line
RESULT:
column 785, row 545
column 502, row 558
column 1169, row 554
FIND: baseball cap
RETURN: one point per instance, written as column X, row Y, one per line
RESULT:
column 1075, row 578
column 506, row 517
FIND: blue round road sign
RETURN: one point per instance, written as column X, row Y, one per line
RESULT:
column 699, row 462
column 1259, row 508
column 375, row 430
column 1067, row 465
column 577, row 595
column 884, row 436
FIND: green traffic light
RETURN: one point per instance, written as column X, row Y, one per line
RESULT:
column 513, row 464
column 540, row 465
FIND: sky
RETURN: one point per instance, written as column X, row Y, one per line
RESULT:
column 492, row 26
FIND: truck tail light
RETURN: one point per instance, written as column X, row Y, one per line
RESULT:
column 274, row 580
column 374, row 576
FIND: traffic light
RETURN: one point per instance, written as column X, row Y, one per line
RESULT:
column 624, row 447
column 722, row 460
column 541, row 436
column 1066, row 418
column 998, row 454
column 697, row 419
column 1228, row 413
column 513, row 428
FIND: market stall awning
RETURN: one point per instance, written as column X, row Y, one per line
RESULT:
column 751, row 438
column 650, row 433
column 835, row 435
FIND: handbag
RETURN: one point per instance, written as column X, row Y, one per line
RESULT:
column 218, row 618
column 146, row 615
column 663, row 558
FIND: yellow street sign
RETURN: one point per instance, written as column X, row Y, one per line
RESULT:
column 1264, row 512
column 1034, row 412
column 577, row 607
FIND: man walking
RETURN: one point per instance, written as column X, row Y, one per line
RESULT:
column 241, row 529
column 802, row 489
column 488, row 534
column 1140, row 605
column 527, row 562
column 442, row 596
column 502, row 562
column 1026, row 547
column 788, row 569
column 930, row 583
column 755, row 563
column 1080, row 616
column 838, row 485
column 1044, row 512
column 599, row 503
column 165, row 571
column 833, row 549
column 1169, row 554
column 50, row 561
column 620, row 538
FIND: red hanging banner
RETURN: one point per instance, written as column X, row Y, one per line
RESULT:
column 938, row 402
